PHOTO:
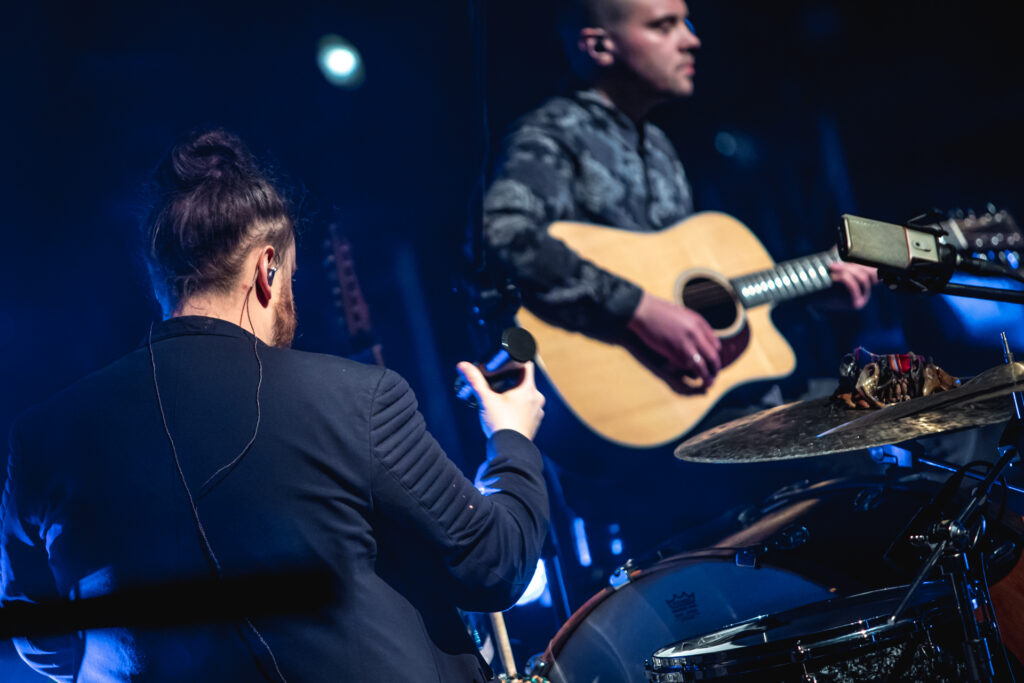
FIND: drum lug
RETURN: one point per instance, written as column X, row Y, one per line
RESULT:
column 750, row 557
column 537, row 665
column 621, row 576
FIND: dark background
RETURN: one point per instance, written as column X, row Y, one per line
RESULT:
column 803, row 110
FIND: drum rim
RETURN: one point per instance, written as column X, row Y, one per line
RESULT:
column 565, row 632
column 847, row 638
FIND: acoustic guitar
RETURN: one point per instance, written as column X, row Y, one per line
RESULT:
column 713, row 264
column 710, row 263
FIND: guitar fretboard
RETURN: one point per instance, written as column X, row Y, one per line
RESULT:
column 787, row 280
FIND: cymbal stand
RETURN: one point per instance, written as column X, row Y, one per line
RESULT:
column 953, row 543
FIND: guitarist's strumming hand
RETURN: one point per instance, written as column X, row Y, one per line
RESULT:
column 521, row 408
column 682, row 336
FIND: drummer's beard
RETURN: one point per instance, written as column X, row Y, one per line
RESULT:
column 285, row 320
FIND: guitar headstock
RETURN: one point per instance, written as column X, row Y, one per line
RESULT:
column 992, row 235
column 347, row 297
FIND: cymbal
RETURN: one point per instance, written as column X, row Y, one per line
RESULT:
column 822, row 426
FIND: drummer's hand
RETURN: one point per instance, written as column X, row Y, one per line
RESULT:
column 857, row 279
column 680, row 335
column 521, row 408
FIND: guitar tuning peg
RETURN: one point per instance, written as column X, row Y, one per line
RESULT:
column 958, row 213
column 991, row 209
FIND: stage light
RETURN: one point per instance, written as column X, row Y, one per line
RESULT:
column 340, row 62
column 579, row 532
column 538, row 584
column 726, row 144
column 616, row 545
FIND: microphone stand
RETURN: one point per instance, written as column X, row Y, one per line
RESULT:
column 952, row 541
column 925, row 282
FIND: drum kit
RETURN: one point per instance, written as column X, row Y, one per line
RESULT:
column 892, row 578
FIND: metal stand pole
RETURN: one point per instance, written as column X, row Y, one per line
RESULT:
column 953, row 541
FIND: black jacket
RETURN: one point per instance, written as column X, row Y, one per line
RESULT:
column 342, row 474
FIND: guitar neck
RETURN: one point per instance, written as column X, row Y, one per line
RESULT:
column 786, row 280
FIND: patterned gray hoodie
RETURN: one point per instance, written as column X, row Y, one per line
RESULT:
column 579, row 158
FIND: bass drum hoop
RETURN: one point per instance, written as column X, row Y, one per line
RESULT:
column 573, row 655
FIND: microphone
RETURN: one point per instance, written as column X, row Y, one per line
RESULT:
column 503, row 369
column 894, row 247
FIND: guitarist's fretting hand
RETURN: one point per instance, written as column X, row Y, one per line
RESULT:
column 857, row 279
column 678, row 334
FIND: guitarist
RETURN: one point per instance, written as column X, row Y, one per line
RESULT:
column 592, row 156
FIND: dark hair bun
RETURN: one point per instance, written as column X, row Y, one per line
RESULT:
column 211, row 199
column 207, row 156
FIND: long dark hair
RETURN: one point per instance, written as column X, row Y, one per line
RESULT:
column 212, row 202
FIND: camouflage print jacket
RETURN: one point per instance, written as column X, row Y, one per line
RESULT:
column 579, row 158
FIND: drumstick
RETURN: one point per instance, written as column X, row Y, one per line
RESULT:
column 504, row 647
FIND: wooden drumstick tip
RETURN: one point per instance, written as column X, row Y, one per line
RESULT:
column 504, row 647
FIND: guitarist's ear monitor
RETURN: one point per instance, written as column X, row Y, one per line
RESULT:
column 271, row 272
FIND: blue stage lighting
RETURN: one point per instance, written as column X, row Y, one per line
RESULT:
column 579, row 532
column 538, row 584
column 980, row 320
column 340, row 62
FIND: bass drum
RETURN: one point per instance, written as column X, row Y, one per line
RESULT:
column 805, row 544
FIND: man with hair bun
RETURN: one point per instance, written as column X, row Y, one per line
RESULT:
column 214, row 452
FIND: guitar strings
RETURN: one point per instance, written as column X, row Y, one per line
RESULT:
column 710, row 293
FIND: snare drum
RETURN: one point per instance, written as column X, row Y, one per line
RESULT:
column 803, row 545
column 839, row 640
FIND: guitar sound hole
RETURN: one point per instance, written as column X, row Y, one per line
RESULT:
column 712, row 300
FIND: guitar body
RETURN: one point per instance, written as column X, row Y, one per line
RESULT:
column 605, row 385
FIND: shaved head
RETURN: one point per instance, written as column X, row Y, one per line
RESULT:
column 577, row 14
column 598, row 13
